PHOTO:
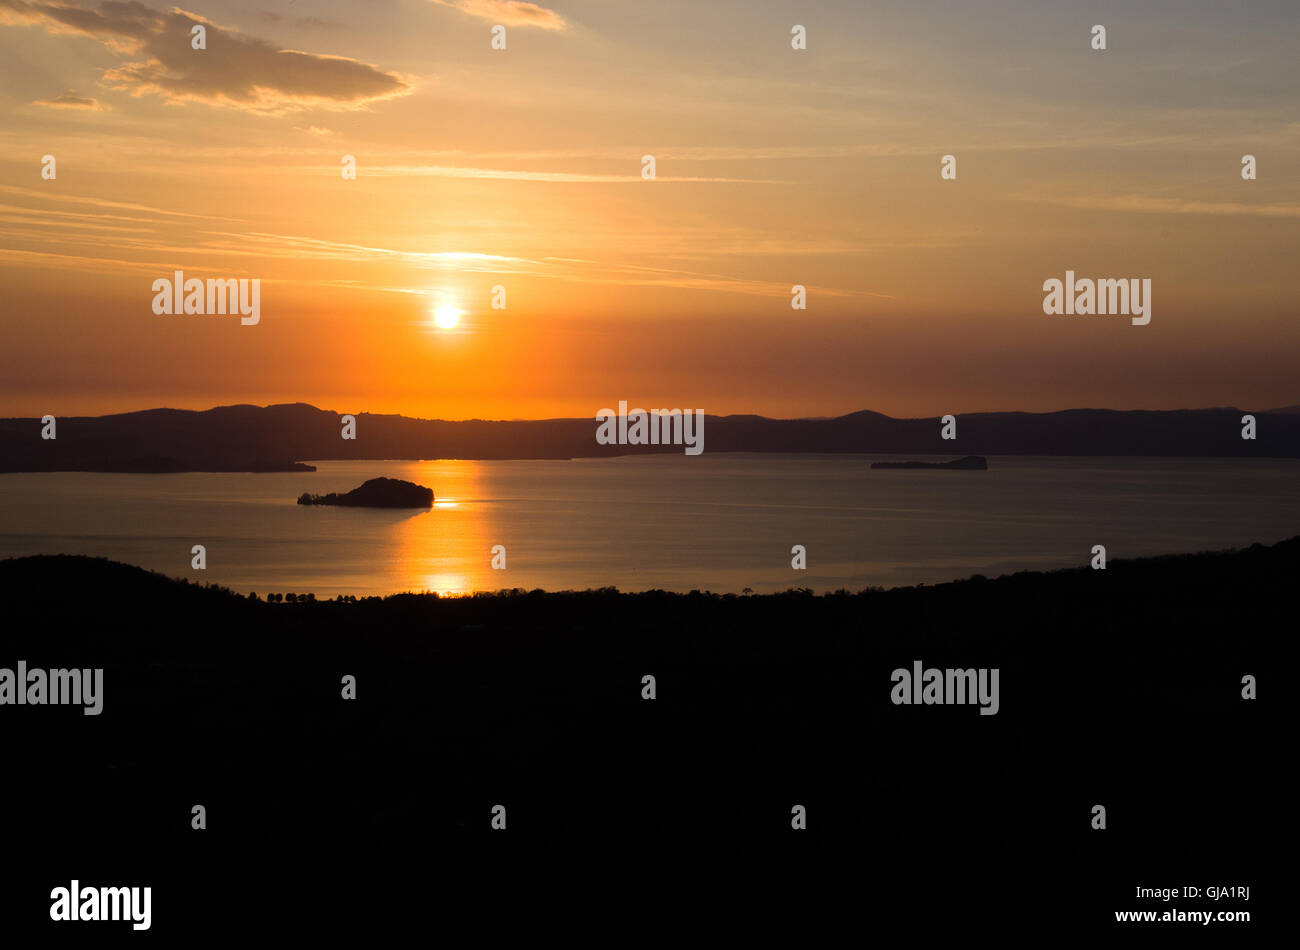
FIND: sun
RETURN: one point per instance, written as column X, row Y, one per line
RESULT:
column 446, row 316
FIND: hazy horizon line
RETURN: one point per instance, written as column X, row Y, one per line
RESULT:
column 1291, row 408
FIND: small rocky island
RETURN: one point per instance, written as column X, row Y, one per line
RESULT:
column 967, row 463
column 376, row 493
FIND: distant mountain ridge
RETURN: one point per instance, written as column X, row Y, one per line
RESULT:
column 279, row 437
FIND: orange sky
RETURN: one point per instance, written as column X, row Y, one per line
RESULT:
column 522, row 168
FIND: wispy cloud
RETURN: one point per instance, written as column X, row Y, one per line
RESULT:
column 234, row 70
column 509, row 12
column 635, row 275
column 302, row 22
column 291, row 246
column 557, row 268
column 449, row 171
column 77, row 262
column 104, row 203
column 70, row 100
column 1147, row 204
column 40, row 220
column 263, row 246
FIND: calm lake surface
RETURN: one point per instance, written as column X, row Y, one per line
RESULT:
column 718, row 522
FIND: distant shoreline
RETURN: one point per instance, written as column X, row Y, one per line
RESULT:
column 93, row 565
column 252, row 438
column 311, row 466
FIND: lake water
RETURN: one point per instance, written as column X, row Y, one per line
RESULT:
column 719, row 522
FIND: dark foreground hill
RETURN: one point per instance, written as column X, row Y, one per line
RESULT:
column 1120, row 687
column 228, row 437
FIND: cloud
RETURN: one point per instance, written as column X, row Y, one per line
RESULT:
column 446, row 171
column 70, row 100
column 306, row 22
column 1147, row 204
column 509, row 13
column 102, row 203
column 235, row 70
column 77, row 262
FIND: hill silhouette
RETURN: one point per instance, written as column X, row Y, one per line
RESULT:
column 1120, row 687
column 279, row 437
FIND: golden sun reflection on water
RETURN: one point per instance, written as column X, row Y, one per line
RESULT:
column 447, row 550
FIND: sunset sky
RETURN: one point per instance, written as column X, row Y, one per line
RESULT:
column 522, row 167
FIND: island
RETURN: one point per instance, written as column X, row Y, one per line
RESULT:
column 967, row 463
column 376, row 493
